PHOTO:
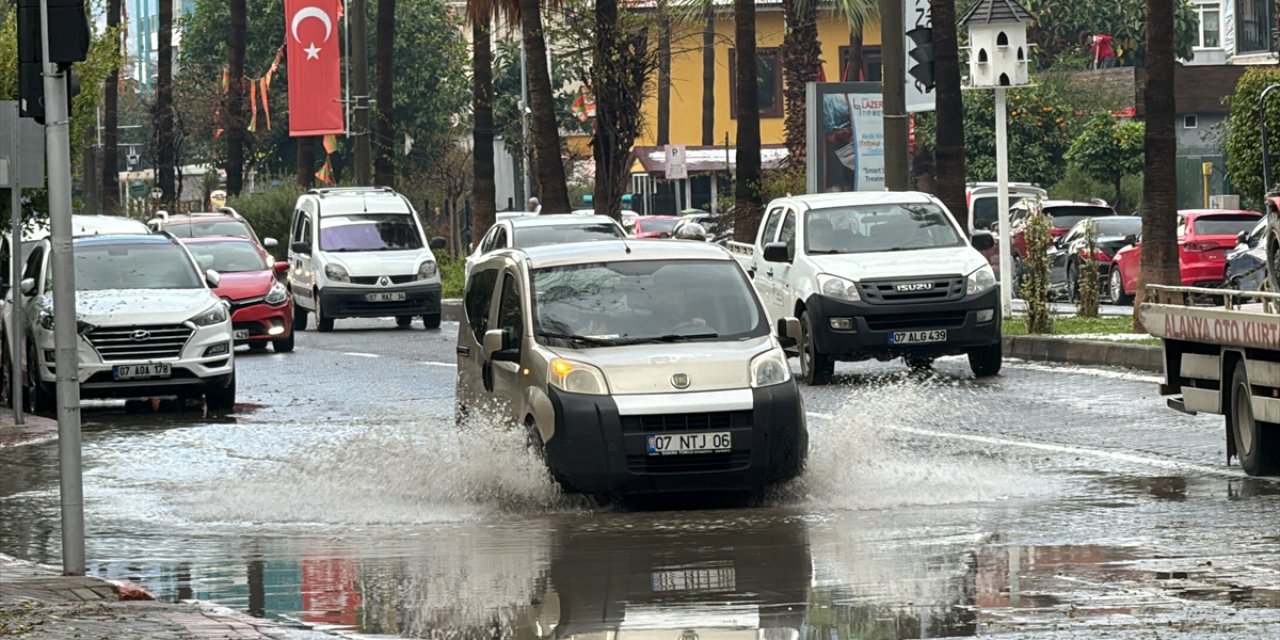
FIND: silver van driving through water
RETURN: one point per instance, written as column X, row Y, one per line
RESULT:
column 635, row 366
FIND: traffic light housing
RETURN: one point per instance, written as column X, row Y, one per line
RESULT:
column 922, row 55
column 31, row 90
column 68, row 43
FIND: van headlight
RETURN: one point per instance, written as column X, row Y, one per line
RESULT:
column 278, row 294
column 770, row 368
column 216, row 314
column 336, row 273
column 981, row 280
column 837, row 287
column 576, row 377
column 428, row 270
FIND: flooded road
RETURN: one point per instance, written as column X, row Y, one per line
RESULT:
column 1050, row 502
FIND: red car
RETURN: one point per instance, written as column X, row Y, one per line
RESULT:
column 261, row 306
column 653, row 226
column 1205, row 236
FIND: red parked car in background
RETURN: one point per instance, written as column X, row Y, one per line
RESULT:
column 261, row 306
column 1205, row 236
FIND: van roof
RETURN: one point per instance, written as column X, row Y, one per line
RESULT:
column 361, row 201
column 856, row 198
column 569, row 253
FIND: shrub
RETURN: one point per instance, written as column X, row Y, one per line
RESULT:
column 452, row 275
column 1088, row 288
column 1035, row 279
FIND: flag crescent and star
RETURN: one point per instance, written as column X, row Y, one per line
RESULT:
column 315, row 74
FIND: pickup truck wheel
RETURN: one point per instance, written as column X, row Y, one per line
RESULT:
column 816, row 368
column 1115, row 286
column 917, row 363
column 1257, row 443
column 986, row 361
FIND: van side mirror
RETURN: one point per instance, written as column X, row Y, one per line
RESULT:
column 983, row 240
column 789, row 332
column 438, row 243
column 495, row 344
column 776, row 252
column 213, row 278
column 301, row 247
column 28, row 286
column 270, row 243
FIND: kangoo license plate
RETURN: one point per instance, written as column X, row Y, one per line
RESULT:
column 387, row 296
column 918, row 337
column 686, row 443
column 137, row 371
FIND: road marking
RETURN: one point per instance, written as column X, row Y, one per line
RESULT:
column 358, row 354
column 1107, row 454
column 451, row 365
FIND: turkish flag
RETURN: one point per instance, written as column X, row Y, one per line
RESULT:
column 315, row 72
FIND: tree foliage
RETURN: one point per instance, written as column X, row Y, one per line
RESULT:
column 1108, row 149
column 1244, row 149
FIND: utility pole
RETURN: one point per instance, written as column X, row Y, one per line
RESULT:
column 16, row 347
column 65, row 333
column 360, row 89
column 894, row 83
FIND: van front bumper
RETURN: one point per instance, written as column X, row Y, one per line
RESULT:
column 338, row 301
column 595, row 450
column 872, row 325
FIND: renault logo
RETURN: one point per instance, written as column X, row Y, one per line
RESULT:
column 680, row 381
column 384, row 281
column 141, row 335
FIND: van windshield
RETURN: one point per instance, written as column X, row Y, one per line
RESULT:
column 879, row 227
column 369, row 232
column 636, row 302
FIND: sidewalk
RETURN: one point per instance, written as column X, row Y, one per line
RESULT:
column 35, row 429
column 37, row 602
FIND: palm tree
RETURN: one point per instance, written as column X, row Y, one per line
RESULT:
column 949, row 144
column 857, row 13
column 110, row 124
column 483, row 192
column 1159, row 181
column 553, row 189
column 708, row 73
column 166, row 155
column 801, row 59
column 747, row 96
column 233, row 111
column 664, row 74
column 384, row 165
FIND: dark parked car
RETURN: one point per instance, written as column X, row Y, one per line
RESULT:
column 1069, row 253
column 1247, row 263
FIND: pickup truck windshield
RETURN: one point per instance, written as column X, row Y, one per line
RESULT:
column 880, row 227
column 134, row 266
column 636, row 302
column 369, row 232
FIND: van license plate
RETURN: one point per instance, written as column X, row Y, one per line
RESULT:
column 918, row 337
column 389, row 296
column 686, row 443
column 139, row 371
column 240, row 334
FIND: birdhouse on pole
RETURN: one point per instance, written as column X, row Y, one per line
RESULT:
column 998, row 50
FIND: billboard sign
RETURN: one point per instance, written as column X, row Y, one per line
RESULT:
column 845, row 125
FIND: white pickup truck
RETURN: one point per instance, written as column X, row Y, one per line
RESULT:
column 876, row 275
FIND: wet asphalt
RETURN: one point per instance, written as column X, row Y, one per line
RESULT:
column 1050, row 502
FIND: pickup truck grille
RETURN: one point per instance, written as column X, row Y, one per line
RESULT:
column 912, row 291
column 922, row 320
column 153, row 342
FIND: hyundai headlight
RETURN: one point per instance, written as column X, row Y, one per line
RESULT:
column 216, row 314
column 428, row 270
column 336, row 273
column 576, row 377
column 278, row 294
column 837, row 287
column 770, row 368
column 980, row 280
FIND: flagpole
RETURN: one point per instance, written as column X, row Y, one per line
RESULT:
column 346, row 65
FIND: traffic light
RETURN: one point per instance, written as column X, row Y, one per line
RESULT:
column 922, row 55
column 68, row 43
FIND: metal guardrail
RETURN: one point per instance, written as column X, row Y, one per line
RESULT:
column 1231, row 298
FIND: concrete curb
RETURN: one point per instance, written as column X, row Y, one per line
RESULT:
column 1085, row 352
column 451, row 310
column 36, row 430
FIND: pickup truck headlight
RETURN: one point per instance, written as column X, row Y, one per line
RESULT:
column 428, row 270
column 576, row 377
column 336, row 273
column 769, row 368
column 980, row 280
column 837, row 287
column 278, row 294
column 216, row 314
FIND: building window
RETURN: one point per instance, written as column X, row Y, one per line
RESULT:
column 1254, row 19
column 870, row 65
column 769, row 73
column 1190, row 121
column 1210, row 15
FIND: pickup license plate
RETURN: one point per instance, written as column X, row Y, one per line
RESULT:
column 388, row 296
column 240, row 334
column 918, row 337
column 687, row 443
column 141, row 371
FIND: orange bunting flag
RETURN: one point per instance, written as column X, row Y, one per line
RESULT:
column 253, row 106
column 325, row 174
column 330, row 144
column 266, row 108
